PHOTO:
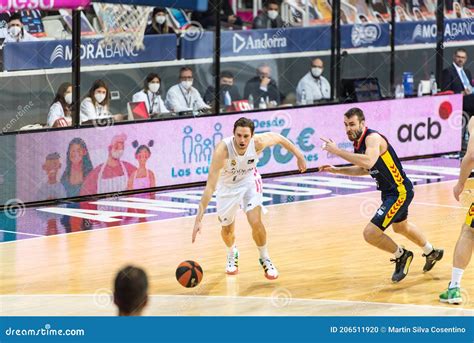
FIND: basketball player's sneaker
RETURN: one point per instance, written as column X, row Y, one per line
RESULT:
column 271, row 273
column 402, row 264
column 451, row 296
column 232, row 266
column 432, row 258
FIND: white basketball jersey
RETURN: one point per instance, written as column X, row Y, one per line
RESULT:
column 239, row 169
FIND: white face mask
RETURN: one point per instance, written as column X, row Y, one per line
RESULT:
column 68, row 98
column 14, row 31
column 154, row 87
column 316, row 71
column 117, row 154
column 160, row 19
column 187, row 84
column 99, row 97
column 272, row 14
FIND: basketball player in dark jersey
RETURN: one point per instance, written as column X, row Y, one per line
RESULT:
column 465, row 243
column 375, row 156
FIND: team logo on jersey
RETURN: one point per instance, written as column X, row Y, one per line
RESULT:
column 250, row 161
column 233, row 163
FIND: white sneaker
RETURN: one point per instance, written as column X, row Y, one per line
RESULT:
column 232, row 266
column 271, row 273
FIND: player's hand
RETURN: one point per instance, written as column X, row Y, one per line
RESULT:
column 466, row 91
column 301, row 164
column 457, row 190
column 328, row 169
column 329, row 145
column 197, row 228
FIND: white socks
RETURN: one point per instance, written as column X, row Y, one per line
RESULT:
column 230, row 250
column 263, row 252
column 428, row 248
column 399, row 252
column 456, row 276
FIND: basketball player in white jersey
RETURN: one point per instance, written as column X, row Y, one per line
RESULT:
column 233, row 172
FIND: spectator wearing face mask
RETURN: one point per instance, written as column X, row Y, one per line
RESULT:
column 150, row 95
column 313, row 86
column 60, row 111
column 15, row 31
column 96, row 104
column 159, row 23
column 228, row 91
column 270, row 17
column 263, row 87
column 183, row 96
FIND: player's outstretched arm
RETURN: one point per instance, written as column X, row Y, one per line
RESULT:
column 365, row 161
column 467, row 163
column 217, row 163
column 268, row 139
column 350, row 171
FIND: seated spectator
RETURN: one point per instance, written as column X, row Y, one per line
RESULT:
column 183, row 96
column 313, row 86
column 159, row 23
column 150, row 94
column 263, row 87
column 60, row 111
column 15, row 32
column 270, row 17
column 131, row 291
column 297, row 16
column 228, row 18
column 96, row 104
column 228, row 92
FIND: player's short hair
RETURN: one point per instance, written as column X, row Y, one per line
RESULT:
column 130, row 289
column 244, row 122
column 355, row 111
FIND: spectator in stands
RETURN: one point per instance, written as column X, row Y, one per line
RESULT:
column 313, row 86
column 228, row 18
column 150, row 94
column 301, row 4
column 60, row 111
column 458, row 79
column 131, row 291
column 4, row 19
column 270, row 17
column 15, row 31
column 228, row 92
column 96, row 104
column 159, row 23
column 183, row 96
column 263, row 87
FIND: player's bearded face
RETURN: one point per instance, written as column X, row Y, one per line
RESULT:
column 354, row 135
column 354, row 130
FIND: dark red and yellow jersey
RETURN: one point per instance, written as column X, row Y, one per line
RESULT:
column 387, row 171
column 470, row 216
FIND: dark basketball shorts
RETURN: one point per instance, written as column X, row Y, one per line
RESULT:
column 394, row 209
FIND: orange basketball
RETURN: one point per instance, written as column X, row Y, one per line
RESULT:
column 189, row 274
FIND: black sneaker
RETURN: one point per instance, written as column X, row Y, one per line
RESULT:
column 402, row 264
column 431, row 259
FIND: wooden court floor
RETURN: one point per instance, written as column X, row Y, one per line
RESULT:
column 325, row 265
